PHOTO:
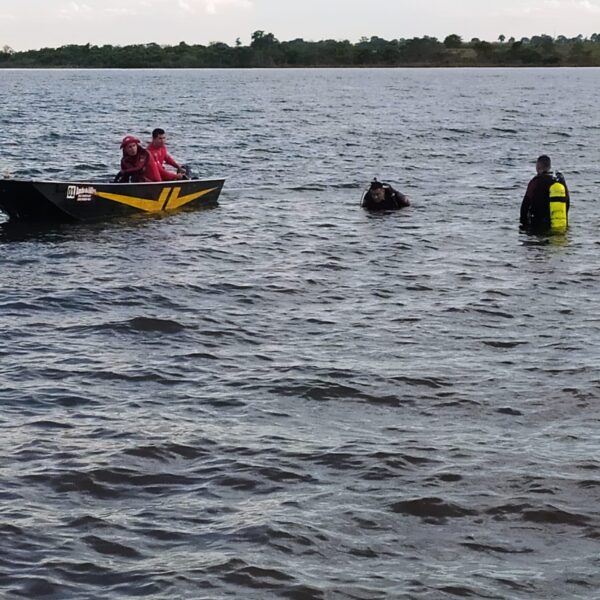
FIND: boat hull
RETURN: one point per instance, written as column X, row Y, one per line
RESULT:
column 37, row 201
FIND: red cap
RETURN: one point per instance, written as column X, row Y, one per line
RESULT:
column 129, row 139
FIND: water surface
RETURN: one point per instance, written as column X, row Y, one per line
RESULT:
column 285, row 396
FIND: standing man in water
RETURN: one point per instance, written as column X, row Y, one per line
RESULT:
column 545, row 206
column 158, row 149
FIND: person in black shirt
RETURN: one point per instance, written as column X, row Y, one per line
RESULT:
column 381, row 196
column 546, row 203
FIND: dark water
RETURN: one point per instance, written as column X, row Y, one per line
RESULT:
column 286, row 397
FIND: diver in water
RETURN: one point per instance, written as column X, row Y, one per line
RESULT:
column 545, row 206
column 381, row 196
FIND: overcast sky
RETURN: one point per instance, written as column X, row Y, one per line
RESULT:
column 29, row 24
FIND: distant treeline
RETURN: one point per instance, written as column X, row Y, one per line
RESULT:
column 266, row 50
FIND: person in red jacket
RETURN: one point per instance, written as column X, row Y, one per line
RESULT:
column 138, row 165
column 158, row 149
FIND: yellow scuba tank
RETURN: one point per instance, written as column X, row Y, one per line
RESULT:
column 558, row 207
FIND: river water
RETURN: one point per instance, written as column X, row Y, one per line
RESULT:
column 286, row 396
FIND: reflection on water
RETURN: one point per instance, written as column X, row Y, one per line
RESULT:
column 548, row 239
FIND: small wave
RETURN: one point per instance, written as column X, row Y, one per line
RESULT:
column 429, row 382
column 504, row 130
column 555, row 516
column 40, row 587
column 89, row 523
column 111, row 483
column 166, row 536
column 107, row 547
column 328, row 391
column 436, row 508
column 201, row 356
column 170, row 451
column 50, row 425
column 458, row 130
column 460, row 591
column 448, row 477
column 494, row 313
column 147, row 324
column 502, row 344
column 74, row 482
column 507, row 410
column 240, row 573
column 7, row 529
column 493, row 549
column 140, row 375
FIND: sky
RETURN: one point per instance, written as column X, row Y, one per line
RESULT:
column 33, row 24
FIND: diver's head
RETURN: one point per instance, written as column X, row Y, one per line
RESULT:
column 543, row 164
column 377, row 191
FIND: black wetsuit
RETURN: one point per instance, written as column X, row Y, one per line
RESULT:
column 535, row 208
column 393, row 199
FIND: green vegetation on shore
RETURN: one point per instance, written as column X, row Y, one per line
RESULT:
column 266, row 51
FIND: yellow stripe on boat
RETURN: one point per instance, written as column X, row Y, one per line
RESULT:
column 169, row 199
column 140, row 203
column 175, row 201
